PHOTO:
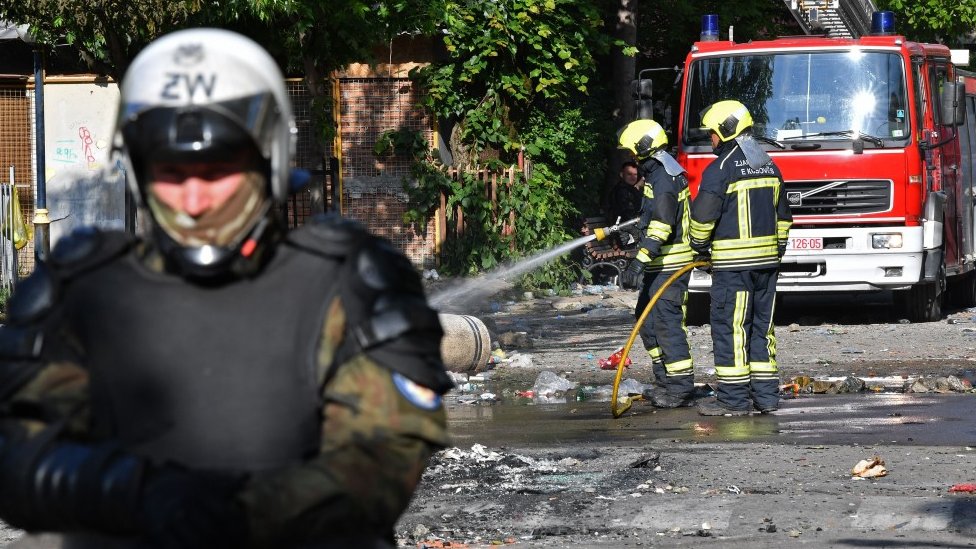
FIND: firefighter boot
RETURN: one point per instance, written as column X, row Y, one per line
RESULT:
column 678, row 393
column 660, row 381
column 765, row 395
column 731, row 399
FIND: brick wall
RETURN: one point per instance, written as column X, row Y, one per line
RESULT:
column 372, row 190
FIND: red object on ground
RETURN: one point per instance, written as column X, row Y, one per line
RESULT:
column 966, row 487
column 614, row 359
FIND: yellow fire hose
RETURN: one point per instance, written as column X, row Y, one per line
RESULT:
column 633, row 335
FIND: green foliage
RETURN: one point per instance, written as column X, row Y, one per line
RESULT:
column 108, row 33
column 943, row 21
column 504, row 58
column 515, row 79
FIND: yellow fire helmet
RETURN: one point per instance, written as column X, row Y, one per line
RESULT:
column 727, row 118
column 643, row 137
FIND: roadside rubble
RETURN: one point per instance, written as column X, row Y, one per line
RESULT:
column 873, row 467
column 552, row 388
column 565, row 474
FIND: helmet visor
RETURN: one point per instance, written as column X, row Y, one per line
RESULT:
column 199, row 133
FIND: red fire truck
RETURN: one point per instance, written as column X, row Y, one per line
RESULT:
column 876, row 140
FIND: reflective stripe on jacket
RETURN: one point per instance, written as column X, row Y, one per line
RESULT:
column 738, row 216
column 666, row 214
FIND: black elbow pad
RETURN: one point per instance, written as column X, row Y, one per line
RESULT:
column 53, row 485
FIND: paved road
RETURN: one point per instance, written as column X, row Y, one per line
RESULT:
column 568, row 475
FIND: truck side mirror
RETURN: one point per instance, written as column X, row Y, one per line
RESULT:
column 953, row 103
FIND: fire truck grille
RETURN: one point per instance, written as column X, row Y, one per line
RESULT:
column 838, row 197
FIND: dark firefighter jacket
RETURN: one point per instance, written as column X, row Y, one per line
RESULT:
column 664, row 220
column 739, row 215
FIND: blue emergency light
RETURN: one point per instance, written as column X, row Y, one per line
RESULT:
column 882, row 23
column 709, row 28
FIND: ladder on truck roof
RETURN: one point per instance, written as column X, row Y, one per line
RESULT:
column 835, row 18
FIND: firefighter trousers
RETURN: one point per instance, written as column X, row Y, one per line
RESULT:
column 743, row 341
column 664, row 333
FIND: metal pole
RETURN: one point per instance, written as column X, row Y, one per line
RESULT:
column 14, row 275
column 42, row 237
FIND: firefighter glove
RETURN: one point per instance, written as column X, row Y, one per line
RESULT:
column 635, row 270
column 781, row 249
column 704, row 257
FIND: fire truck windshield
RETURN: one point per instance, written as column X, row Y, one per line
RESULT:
column 822, row 96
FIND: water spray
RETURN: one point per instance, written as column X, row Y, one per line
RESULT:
column 492, row 282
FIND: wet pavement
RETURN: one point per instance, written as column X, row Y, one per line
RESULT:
column 915, row 419
column 566, row 474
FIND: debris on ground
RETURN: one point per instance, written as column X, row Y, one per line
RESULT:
column 872, row 467
column 550, row 383
column 964, row 488
column 611, row 362
column 440, row 544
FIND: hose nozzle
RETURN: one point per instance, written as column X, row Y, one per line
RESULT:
column 603, row 232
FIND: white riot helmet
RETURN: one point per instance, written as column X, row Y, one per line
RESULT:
column 199, row 96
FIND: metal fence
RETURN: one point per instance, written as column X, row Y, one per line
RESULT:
column 16, row 160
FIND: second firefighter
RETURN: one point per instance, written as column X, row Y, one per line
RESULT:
column 664, row 248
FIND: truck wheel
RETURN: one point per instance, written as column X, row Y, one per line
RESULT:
column 924, row 300
column 697, row 309
column 962, row 293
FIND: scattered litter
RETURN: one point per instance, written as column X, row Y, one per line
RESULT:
column 458, row 378
column 548, row 383
column 872, row 467
column 648, row 461
column 611, row 362
column 431, row 274
column 630, row 386
column 441, row 544
column 964, row 488
column 733, row 489
column 516, row 339
column 520, row 361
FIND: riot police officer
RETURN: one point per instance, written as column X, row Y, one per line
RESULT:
column 223, row 382
column 663, row 250
column 741, row 219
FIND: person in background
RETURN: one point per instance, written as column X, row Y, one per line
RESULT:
column 663, row 249
column 624, row 199
column 222, row 382
column 740, row 222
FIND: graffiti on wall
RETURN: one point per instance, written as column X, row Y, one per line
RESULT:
column 80, row 152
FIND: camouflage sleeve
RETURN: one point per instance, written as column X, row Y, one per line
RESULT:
column 41, row 380
column 378, row 431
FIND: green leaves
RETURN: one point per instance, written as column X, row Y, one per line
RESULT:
column 944, row 21
column 506, row 56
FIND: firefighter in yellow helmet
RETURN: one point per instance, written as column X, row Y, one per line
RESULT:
column 740, row 219
column 663, row 249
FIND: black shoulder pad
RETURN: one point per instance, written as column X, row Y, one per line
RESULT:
column 88, row 247
column 20, row 343
column 33, row 297
column 328, row 234
column 383, row 268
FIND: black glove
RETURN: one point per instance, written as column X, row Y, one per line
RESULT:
column 781, row 249
column 185, row 509
column 635, row 270
column 704, row 257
